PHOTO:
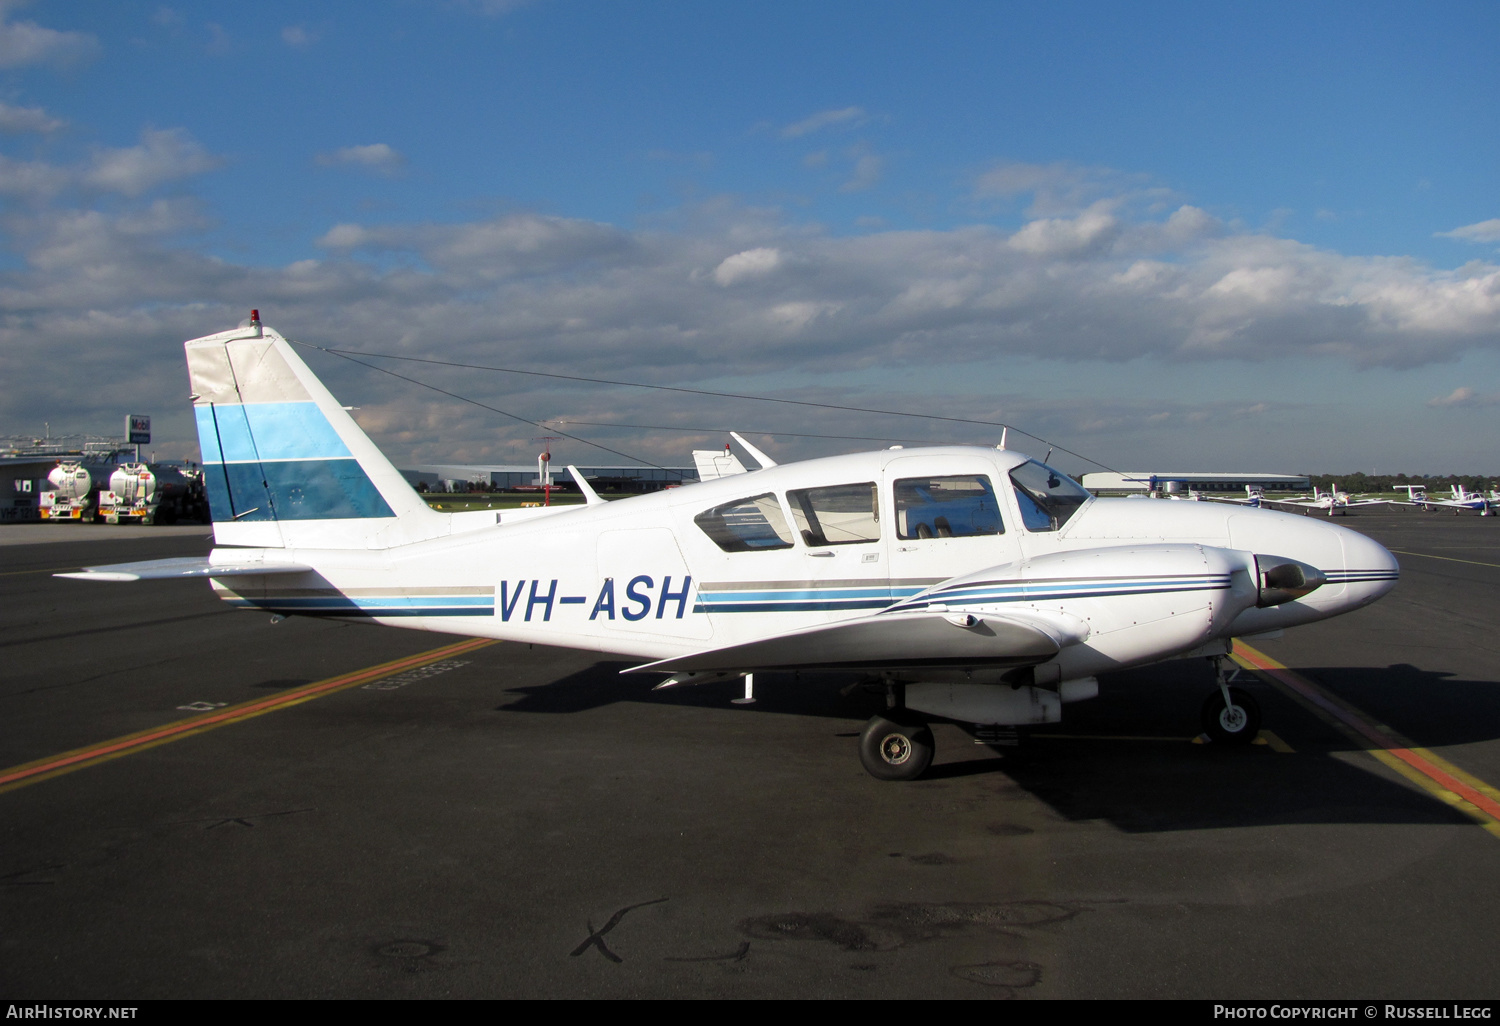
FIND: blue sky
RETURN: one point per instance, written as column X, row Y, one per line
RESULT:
column 1187, row 235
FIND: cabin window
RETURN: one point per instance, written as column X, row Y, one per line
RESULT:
column 957, row 506
column 747, row 525
column 1047, row 497
column 841, row 515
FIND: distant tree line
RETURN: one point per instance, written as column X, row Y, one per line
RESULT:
column 486, row 488
column 1357, row 482
column 459, row 487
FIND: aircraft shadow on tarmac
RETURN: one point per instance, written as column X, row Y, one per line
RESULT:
column 1127, row 757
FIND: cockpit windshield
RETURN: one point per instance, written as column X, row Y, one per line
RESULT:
column 1047, row 497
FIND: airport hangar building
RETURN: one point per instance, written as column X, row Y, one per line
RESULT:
column 1173, row 483
column 503, row 476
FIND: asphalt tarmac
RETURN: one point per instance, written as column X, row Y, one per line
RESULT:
column 506, row 821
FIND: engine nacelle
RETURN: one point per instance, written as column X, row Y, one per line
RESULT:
column 987, row 704
column 998, row 705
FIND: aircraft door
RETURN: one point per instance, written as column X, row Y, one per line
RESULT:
column 841, row 534
column 946, row 520
column 766, row 567
column 646, row 588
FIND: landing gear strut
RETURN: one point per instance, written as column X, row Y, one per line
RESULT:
column 1231, row 716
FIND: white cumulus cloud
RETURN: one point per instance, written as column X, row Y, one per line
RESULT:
column 25, row 42
column 867, row 170
column 163, row 155
column 1060, row 188
column 32, row 179
column 1483, row 231
column 748, row 265
column 517, row 244
column 378, row 157
column 1068, row 236
column 1107, row 284
column 824, row 119
column 1464, row 396
column 27, row 119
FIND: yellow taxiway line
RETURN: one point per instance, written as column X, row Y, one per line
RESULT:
column 92, row 755
column 1434, row 774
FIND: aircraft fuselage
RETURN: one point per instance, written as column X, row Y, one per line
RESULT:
column 646, row 577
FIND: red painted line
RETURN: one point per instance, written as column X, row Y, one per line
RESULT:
column 242, row 711
column 1370, row 732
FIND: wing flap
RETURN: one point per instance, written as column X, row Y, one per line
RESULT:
column 889, row 640
column 186, row 566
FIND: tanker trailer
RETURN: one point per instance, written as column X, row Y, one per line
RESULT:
column 148, row 493
column 72, row 497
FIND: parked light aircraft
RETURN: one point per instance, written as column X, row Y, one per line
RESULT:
column 1462, row 499
column 1255, row 497
column 1333, row 501
column 971, row 584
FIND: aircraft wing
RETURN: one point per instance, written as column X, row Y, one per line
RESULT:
column 187, row 566
column 890, row 640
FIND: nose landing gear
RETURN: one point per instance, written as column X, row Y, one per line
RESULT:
column 1230, row 716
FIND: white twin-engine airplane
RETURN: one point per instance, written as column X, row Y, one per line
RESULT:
column 969, row 584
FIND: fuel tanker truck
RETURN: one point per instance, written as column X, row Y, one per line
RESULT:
column 153, row 493
column 72, row 497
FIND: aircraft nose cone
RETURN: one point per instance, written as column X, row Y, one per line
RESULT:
column 1369, row 568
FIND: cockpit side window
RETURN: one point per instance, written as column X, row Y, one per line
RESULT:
column 1047, row 497
column 957, row 506
column 840, row 515
column 747, row 525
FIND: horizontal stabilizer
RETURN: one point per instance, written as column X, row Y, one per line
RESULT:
column 888, row 640
column 187, row 566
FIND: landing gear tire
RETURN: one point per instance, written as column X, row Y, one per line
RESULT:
column 895, row 747
column 1236, row 724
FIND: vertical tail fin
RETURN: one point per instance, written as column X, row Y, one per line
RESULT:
column 284, row 464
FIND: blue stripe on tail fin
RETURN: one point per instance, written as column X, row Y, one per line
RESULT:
column 284, row 464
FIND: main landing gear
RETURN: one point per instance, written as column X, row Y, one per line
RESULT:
column 1231, row 716
column 896, row 744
